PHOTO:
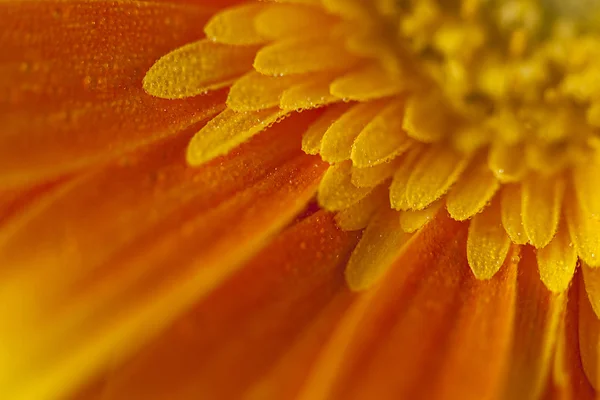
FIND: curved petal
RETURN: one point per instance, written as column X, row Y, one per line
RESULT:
column 539, row 314
column 568, row 380
column 98, row 267
column 256, row 336
column 429, row 330
column 70, row 82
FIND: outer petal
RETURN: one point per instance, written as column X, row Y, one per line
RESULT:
column 70, row 82
column 256, row 336
column 539, row 314
column 568, row 380
column 430, row 330
column 108, row 260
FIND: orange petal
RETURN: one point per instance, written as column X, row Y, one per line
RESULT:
column 589, row 328
column 568, row 379
column 39, row 146
column 446, row 332
column 51, row 58
column 266, row 323
column 115, row 242
column 539, row 314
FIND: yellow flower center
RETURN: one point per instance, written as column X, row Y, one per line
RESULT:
column 487, row 108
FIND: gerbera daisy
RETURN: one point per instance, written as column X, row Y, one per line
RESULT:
column 304, row 199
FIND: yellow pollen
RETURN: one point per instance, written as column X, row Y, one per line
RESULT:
column 488, row 110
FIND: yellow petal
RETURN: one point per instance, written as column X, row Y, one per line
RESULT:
column 302, row 55
column 383, row 138
column 557, row 261
column 368, row 83
column 433, row 174
column 424, row 119
column 585, row 233
column 472, row 192
column 337, row 141
column 378, row 248
column 507, row 162
column 511, row 213
column 197, row 68
column 305, row 95
column 540, row 206
column 373, row 176
column 351, row 9
column 398, row 199
column 358, row 215
column 413, row 220
column 254, row 91
column 487, row 244
column 585, row 178
column 278, row 21
column 235, row 25
column 336, row 191
column 228, row 130
column 311, row 140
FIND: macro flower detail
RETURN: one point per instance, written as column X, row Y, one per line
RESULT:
column 486, row 110
column 299, row 199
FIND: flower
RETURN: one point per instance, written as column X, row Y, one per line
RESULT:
column 452, row 147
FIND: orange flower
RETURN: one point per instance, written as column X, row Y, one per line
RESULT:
column 306, row 199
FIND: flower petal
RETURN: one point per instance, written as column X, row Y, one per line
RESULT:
column 51, row 57
column 539, row 314
column 39, row 146
column 228, row 130
column 447, row 332
column 196, row 68
column 541, row 204
column 116, row 252
column 568, row 378
column 266, row 323
column 380, row 245
column 488, row 244
column 589, row 336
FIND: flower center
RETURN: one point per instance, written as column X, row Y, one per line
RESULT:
column 520, row 71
